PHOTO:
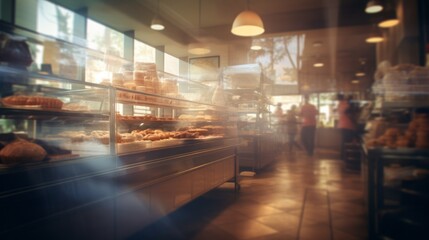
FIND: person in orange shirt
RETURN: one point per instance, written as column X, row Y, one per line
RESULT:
column 308, row 131
column 345, row 122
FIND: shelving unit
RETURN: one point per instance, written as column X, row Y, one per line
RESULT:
column 396, row 185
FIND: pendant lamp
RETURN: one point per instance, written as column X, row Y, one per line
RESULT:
column 388, row 16
column 373, row 6
column 361, row 71
column 247, row 24
column 198, row 48
column 156, row 23
column 388, row 22
column 256, row 45
column 374, row 37
column 318, row 64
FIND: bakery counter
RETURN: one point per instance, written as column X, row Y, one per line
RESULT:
column 116, row 195
column 37, row 200
column 22, row 177
column 152, row 184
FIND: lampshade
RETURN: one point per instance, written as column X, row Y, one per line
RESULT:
column 198, row 49
column 256, row 45
column 247, row 24
column 373, row 6
column 360, row 74
column 374, row 36
column 318, row 64
column 374, row 39
column 156, row 24
column 388, row 20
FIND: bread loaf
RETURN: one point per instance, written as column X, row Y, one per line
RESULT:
column 20, row 151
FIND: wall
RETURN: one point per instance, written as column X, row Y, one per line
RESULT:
column 402, row 41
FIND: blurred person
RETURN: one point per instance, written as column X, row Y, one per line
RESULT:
column 346, row 122
column 279, row 117
column 291, row 120
column 308, row 131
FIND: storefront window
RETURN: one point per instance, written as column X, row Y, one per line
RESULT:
column 108, row 57
column 280, row 57
column 144, row 52
column 59, row 23
column 327, row 105
column 171, row 64
column 49, row 19
column 286, row 101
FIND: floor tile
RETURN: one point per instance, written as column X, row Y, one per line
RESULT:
column 254, row 209
column 309, row 198
column 281, row 222
column 316, row 231
column 247, row 229
column 340, row 235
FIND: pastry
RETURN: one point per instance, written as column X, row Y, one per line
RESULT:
column 20, row 151
column 43, row 102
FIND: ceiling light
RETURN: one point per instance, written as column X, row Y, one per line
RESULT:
column 156, row 23
column 360, row 74
column 355, row 81
column 374, row 39
column 389, row 19
column 247, row 24
column 373, row 6
column 318, row 64
column 388, row 23
column 256, row 45
column 375, row 36
column 198, row 49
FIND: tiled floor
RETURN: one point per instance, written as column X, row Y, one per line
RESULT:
column 295, row 198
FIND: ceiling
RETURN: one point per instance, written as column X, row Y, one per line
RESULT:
column 339, row 25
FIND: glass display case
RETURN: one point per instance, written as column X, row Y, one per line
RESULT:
column 246, row 89
column 395, row 156
column 135, row 108
column 174, row 112
column 71, row 119
column 66, row 118
column 100, row 148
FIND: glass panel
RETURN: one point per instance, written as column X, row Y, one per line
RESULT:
column 280, row 57
column 105, row 65
column 171, row 64
column 327, row 105
column 50, row 19
column 143, row 52
column 68, row 119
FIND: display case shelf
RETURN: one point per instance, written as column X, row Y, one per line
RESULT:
column 31, row 112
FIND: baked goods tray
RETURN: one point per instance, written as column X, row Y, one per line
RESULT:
column 167, row 103
column 200, row 139
column 37, row 111
column 143, row 145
